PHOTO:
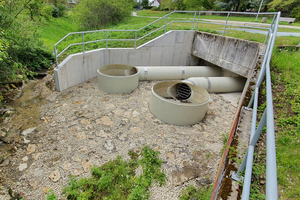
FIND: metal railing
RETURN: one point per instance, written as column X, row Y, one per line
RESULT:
column 267, row 118
column 136, row 38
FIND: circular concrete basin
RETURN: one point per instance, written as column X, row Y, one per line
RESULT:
column 118, row 78
column 178, row 103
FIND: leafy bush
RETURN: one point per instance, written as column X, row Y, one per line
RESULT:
column 96, row 14
column 55, row 12
column 154, row 8
column 296, row 13
column 47, row 12
column 271, row 10
column 34, row 57
column 61, row 10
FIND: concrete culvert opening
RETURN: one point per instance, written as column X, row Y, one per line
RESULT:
column 178, row 103
column 118, row 78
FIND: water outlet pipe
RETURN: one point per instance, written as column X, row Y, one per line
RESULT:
column 218, row 84
column 155, row 73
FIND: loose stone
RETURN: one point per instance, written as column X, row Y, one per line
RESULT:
column 30, row 148
column 87, row 165
column 109, row 146
column 22, row 166
column 105, row 121
column 77, row 172
column 55, row 176
column 28, row 131
column 81, row 136
column 46, row 190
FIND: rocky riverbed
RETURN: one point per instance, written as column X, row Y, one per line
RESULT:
column 49, row 135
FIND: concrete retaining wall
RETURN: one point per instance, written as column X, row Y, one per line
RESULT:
column 170, row 49
column 236, row 55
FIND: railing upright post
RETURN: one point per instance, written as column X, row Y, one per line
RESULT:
column 83, row 42
column 106, row 38
column 270, row 29
column 135, row 39
column 226, row 24
column 198, row 21
column 166, row 24
column 194, row 20
column 55, row 56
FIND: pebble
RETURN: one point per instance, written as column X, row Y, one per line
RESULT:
column 105, row 121
column 33, row 184
column 77, row 172
column 55, row 176
column 109, row 146
column 28, row 131
column 67, row 166
column 22, row 166
column 25, row 159
column 81, row 136
column 30, row 148
column 87, row 165
column 46, row 190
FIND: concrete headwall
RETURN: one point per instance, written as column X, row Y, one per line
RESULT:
column 170, row 49
column 233, row 54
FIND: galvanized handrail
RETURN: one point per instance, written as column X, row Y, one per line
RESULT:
column 163, row 26
column 267, row 118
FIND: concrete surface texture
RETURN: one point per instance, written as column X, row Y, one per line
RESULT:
column 236, row 55
column 84, row 126
column 170, row 49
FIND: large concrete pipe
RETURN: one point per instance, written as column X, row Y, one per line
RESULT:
column 218, row 84
column 178, row 103
column 155, row 73
column 118, row 78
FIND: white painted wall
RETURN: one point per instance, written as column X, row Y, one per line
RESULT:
column 170, row 49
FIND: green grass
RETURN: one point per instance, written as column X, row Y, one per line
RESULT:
column 117, row 179
column 202, row 193
column 246, row 18
column 287, row 105
column 56, row 28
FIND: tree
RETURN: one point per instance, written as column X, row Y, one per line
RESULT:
column 96, row 14
column 21, row 50
column 145, row 3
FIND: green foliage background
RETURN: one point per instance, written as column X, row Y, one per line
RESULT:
column 96, row 14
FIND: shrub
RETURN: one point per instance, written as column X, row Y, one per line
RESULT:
column 271, row 10
column 154, row 8
column 96, row 14
column 296, row 13
column 47, row 12
column 61, row 10
column 55, row 12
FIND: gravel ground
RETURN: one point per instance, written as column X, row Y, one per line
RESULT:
column 83, row 126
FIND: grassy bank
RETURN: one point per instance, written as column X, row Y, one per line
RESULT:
column 286, row 94
column 246, row 18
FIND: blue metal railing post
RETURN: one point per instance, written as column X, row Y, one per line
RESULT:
column 198, row 21
column 226, row 23
column 194, row 20
column 83, row 42
column 270, row 29
column 135, row 36
column 166, row 24
column 106, row 38
column 55, row 53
